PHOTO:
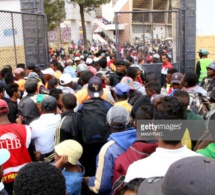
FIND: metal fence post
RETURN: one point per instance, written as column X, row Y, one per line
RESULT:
column 117, row 35
column 14, row 39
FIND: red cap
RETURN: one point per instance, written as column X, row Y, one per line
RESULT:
column 3, row 107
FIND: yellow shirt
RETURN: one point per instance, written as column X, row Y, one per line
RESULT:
column 124, row 104
column 21, row 83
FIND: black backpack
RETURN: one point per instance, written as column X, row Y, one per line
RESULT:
column 93, row 121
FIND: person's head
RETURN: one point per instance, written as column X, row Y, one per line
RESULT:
column 69, row 62
column 80, row 68
column 117, row 119
column 102, row 63
column 130, row 59
column 9, row 67
column 95, row 89
column 1, row 91
column 60, row 68
column 4, row 110
column 164, row 58
column 31, row 85
column 52, row 83
column 4, row 71
column 133, row 72
column 120, row 66
column 170, row 72
column 31, row 68
column 49, row 105
column 19, row 73
column 13, row 90
column 69, row 102
column 9, row 78
column 53, row 64
column 86, row 76
column 122, row 91
column 58, row 95
column 131, row 188
column 66, row 80
column 54, row 57
column 182, row 96
column 189, row 79
column 70, row 148
column 150, row 76
column 48, row 73
column 77, row 60
column 5, row 155
column 113, row 58
column 89, row 61
column 176, row 80
column 203, row 53
column 39, row 178
column 211, row 70
column 170, row 109
column 20, row 66
column 128, row 81
column 191, row 175
column 152, row 88
column 156, row 58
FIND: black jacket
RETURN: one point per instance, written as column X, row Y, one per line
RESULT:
column 115, row 78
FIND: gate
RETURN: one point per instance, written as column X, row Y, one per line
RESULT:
column 23, row 39
column 148, row 32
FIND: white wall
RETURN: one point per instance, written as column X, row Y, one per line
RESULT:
column 12, row 5
column 205, row 17
column 107, row 11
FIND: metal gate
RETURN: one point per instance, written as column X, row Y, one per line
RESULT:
column 148, row 32
column 23, row 39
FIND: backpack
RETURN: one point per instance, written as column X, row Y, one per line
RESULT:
column 93, row 121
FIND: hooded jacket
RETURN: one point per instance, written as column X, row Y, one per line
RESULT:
column 117, row 144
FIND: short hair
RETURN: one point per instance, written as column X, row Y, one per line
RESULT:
column 172, row 71
column 9, row 78
column 132, row 185
column 9, row 67
column 129, row 58
column 60, row 68
column 54, row 62
column 39, row 178
column 102, row 62
column 4, row 71
column 153, row 86
column 132, row 72
column 21, row 66
column 55, row 93
column 182, row 96
column 170, row 108
column 86, row 76
column 12, row 88
column 146, row 111
column 191, row 78
column 52, row 83
column 164, row 54
column 31, row 85
column 32, row 67
column 150, row 76
column 69, row 101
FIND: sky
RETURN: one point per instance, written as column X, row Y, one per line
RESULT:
column 205, row 17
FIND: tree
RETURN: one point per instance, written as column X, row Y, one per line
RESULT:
column 55, row 12
column 87, row 5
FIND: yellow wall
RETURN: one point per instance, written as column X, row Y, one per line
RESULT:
column 207, row 42
column 7, row 56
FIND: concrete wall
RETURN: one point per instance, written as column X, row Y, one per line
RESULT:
column 6, row 5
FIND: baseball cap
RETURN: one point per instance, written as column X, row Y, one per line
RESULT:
column 122, row 88
column 118, row 115
column 211, row 66
column 72, row 149
column 128, row 81
column 49, row 103
column 203, row 51
column 18, row 71
column 77, row 59
column 65, row 79
column 33, row 75
column 48, row 71
column 70, row 70
column 192, row 175
column 5, row 155
column 176, row 78
column 151, row 186
column 95, row 88
column 81, row 68
column 69, row 61
column 81, row 57
column 120, row 62
column 3, row 107
column 89, row 61
column 156, row 56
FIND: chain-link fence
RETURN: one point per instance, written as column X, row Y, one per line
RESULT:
column 149, row 33
column 23, row 39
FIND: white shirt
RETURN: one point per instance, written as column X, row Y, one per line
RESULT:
column 43, row 131
column 157, row 164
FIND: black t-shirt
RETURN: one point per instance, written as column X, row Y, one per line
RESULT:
column 13, row 107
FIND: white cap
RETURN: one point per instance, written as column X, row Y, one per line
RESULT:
column 65, row 79
column 81, row 57
column 77, row 59
column 156, row 56
column 69, row 61
column 89, row 61
column 49, row 71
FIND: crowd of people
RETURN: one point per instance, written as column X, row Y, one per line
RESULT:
column 76, row 127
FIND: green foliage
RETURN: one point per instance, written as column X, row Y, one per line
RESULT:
column 90, row 3
column 55, row 12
